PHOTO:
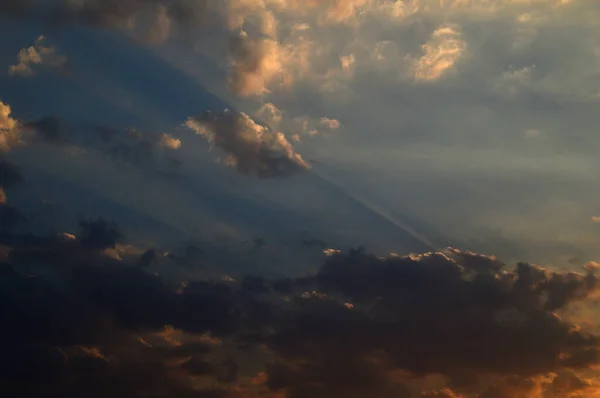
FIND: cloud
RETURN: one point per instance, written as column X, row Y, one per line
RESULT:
column 10, row 134
column 331, row 124
column 169, row 142
column 48, row 128
column 154, row 21
column 443, row 393
column 440, row 54
column 477, row 326
column 127, row 145
column 17, row 8
column 98, row 234
column 10, row 217
column 256, row 65
column 563, row 384
column 10, row 176
column 487, row 328
column 270, row 114
column 298, row 125
column 461, row 315
column 250, row 147
column 38, row 55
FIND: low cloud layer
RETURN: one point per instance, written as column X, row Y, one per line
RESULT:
column 250, row 147
column 445, row 324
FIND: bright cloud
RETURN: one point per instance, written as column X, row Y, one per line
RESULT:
column 440, row 54
column 10, row 133
column 168, row 141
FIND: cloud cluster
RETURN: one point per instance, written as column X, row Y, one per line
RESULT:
column 444, row 324
column 456, row 314
column 250, row 147
column 362, row 326
column 40, row 55
column 299, row 126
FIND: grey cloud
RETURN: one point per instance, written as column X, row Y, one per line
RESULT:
column 154, row 20
column 390, row 319
column 465, row 318
column 250, row 147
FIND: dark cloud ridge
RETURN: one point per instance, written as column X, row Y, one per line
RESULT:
column 453, row 313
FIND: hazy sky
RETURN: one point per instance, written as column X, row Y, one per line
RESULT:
column 233, row 137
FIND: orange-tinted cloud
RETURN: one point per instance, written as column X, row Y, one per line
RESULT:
column 38, row 55
column 250, row 147
column 10, row 131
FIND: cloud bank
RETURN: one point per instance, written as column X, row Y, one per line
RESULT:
column 442, row 324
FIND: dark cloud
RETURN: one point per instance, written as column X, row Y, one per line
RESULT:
column 154, row 20
column 10, row 176
column 134, row 146
column 48, row 128
column 98, row 234
column 17, row 8
column 362, row 326
column 148, row 258
column 71, row 327
column 10, row 217
column 250, row 147
column 458, row 314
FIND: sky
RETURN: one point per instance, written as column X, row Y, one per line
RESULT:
column 289, row 199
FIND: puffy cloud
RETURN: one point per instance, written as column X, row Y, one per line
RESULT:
column 250, row 147
column 6, row 121
column 270, row 114
column 256, row 65
column 168, row 141
column 10, row 132
column 299, row 126
column 331, row 124
column 440, row 54
column 38, row 54
column 14, row 132
column 462, row 315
